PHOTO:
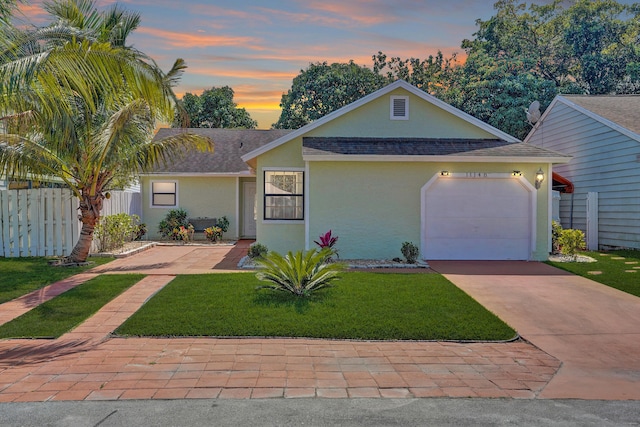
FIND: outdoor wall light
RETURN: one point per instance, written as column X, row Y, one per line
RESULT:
column 516, row 173
column 444, row 173
column 539, row 178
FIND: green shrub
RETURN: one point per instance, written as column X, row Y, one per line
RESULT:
column 257, row 251
column 571, row 241
column 170, row 226
column 300, row 274
column 410, row 252
column 556, row 231
column 223, row 223
column 114, row 230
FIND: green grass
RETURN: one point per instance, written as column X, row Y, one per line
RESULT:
column 66, row 311
column 19, row 276
column 613, row 270
column 359, row 306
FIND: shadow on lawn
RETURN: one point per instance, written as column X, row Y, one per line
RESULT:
column 271, row 298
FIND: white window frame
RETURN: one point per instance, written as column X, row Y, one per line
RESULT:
column 392, row 100
column 264, row 196
column 151, row 194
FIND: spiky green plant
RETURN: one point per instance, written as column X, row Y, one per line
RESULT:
column 300, row 274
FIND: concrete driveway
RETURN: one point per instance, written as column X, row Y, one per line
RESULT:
column 593, row 329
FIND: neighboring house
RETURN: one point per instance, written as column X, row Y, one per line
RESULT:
column 602, row 135
column 207, row 185
column 400, row 165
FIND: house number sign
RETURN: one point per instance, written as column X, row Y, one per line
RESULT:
column 478, row 175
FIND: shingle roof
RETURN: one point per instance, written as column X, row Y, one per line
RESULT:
column 229, row 146
column 623, row 110
column 421, row 147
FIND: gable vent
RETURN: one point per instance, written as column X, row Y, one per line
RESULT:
column 399, row 108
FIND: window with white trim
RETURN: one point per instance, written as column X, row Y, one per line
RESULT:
column 399, row 108
column 283, row 195
column 164, row 194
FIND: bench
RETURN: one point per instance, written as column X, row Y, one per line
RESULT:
column 199, row 224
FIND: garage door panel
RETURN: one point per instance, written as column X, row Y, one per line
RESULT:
column 507, row 228
column 477, row 219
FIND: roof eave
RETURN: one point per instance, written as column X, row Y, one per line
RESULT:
column 433, row 159
column 210, row 174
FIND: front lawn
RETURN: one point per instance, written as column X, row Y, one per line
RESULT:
column 614, row 268
column 66, row 311
column 19, row 276
column 360, row 306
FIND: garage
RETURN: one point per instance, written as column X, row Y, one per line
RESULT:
column 477, row 217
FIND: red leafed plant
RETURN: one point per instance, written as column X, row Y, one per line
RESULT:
column 326, row 240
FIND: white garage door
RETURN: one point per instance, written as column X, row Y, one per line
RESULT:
column 477, row 219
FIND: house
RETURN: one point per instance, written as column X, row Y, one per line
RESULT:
column 207, row 185
column 602, row 135
column 400, row 165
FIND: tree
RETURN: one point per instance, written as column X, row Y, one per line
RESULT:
column 499, row 91
column 432, row 75
column 83, row 110
column 588, row 47
column 323, row 88
column 215, row 109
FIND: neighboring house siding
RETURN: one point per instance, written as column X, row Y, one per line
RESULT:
column 201, row 197
column 604, row 161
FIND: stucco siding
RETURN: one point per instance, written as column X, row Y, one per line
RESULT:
column 205, row 197
column 605, row 161
column 378, row 207
column 279, row 236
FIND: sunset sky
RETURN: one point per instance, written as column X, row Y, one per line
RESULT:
column 258, row 47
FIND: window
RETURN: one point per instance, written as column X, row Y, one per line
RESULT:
column 164, row 194
column 284, row 195
column 399, row 108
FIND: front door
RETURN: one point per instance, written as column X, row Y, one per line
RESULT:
column 249, row 209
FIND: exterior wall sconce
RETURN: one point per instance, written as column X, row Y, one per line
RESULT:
column 516, row 173
column 445, row 173
column 539, row 178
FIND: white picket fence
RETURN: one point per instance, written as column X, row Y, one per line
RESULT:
column 44, row 222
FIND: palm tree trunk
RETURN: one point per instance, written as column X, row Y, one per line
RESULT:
column 90, row 207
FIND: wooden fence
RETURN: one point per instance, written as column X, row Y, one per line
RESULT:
column 44, row 222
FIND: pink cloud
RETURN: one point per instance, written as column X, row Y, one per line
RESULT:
column 242, row 73
column 217, row 11
column 363, row 13
column 33, row 13
column 190, row 40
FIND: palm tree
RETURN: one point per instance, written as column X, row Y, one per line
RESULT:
column 78, row 107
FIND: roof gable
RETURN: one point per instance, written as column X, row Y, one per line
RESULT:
column 400, row 84
column 618, row 112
